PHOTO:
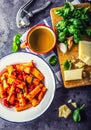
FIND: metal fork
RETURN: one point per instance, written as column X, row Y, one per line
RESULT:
column 24, row 21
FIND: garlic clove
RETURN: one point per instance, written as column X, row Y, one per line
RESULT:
column 63, row 47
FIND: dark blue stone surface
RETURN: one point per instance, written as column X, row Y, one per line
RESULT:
column 49, row 120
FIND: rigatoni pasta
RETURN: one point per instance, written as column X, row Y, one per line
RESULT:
column 22, row 86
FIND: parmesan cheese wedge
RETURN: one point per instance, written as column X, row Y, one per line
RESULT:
column 85, row 52
column 75, row 74
column 64, row 111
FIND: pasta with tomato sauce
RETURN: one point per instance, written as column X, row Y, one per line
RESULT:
column 22, row 86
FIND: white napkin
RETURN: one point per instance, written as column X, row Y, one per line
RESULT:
column 75, row 2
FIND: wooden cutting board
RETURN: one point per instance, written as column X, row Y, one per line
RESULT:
column 74, row 52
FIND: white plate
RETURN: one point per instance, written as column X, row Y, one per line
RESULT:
column 34, row 112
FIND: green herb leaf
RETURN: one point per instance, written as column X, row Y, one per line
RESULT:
column 88, row 32
column 67, row 65
column 53, row 60
column 16, row 42
column 69, row 5
column 17, row 38
column 14, row 47
column 76, row 114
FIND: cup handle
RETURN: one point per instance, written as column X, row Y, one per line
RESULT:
column 24, row 45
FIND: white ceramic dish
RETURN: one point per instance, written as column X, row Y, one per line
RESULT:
column 32, row 113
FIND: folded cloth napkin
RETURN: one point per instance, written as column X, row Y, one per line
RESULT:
column 56, row 68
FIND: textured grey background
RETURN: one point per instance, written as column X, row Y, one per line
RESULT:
column 49, row 120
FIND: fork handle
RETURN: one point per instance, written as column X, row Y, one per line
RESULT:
column 41, row 8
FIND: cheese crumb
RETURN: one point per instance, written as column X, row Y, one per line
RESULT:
column 80, row 64
column 70, row 100
column 74, row 104
column 64, row 111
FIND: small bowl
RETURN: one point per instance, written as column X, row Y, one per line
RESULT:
column 40, row 39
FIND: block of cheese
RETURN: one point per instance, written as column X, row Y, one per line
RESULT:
column 85, row 52
column 75, row 74
column 64, row 111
